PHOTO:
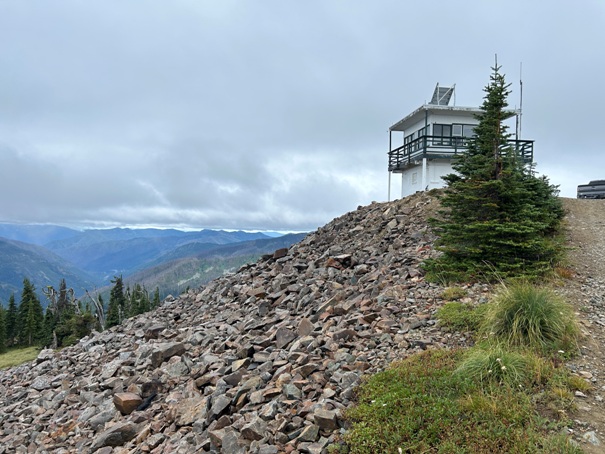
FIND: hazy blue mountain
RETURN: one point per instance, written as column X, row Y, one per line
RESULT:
column 19, row 260
column 36, row 234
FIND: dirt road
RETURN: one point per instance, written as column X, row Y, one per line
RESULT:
column 585, row 231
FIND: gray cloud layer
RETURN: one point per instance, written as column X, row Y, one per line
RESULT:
column 266, row 115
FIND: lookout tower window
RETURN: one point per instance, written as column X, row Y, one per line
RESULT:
column 442, row 134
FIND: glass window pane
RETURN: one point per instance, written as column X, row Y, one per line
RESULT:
column 469, row 131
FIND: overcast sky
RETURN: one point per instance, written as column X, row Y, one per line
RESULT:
column 268, row 114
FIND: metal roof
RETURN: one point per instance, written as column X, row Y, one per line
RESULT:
column 416, row 116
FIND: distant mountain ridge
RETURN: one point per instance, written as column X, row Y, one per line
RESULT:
column 105, row 253
column 184, row 268
column 89, row 259
column 35, row 234
column 42, row 267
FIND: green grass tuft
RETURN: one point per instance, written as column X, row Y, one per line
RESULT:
column 496, row 365
column 522, row 315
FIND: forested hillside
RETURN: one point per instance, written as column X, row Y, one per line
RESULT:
column 42, row 267
column 90, row 259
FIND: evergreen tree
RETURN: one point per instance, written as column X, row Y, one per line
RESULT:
column 76, row 327
column 59, row 312
column 63, row 303
column 11, row 321
column 65, row 328
column 498, row 215
column 155, row 302
column 128, row 309
column 50, row 324
column 139, row 300
column 2, row 329
column 31, row 316
column 117, row 303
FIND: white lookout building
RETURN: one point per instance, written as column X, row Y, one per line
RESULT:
column 432, row 136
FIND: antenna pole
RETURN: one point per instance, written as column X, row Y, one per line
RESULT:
column 454, row 91
column 520, row 95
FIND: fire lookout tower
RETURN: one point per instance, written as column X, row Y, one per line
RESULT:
column 433, row 135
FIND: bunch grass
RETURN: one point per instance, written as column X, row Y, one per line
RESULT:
column 523, row 315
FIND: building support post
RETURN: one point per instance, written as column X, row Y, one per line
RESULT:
column 424, row 175
column 402, row 185
column 389, row 191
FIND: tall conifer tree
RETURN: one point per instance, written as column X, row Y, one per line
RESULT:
column 11, row 321
column 31, row 316
column 498, row 215
column 155, row 302
column 117, row 303
column 2, row 329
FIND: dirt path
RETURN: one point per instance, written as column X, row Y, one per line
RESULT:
column 585, row 222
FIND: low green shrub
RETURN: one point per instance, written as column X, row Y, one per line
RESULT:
column 461, row 316
column 423, row 405
column 453, row 293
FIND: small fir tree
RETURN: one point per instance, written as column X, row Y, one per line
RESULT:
column 498, row 215
column 139, row 300
column 78, row 326
column 155, row 302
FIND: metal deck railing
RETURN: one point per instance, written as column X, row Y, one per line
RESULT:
column 435, row 147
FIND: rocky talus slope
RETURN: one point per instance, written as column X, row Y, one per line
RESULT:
column 261, row 361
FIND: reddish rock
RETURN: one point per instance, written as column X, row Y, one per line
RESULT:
column 126, row 403
column 305, row 327
column 258, row 292
column 278, row 254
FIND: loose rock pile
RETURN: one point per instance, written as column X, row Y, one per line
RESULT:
column 261, row 361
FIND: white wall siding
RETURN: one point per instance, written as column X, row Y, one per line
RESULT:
column 461, row 118
column 437, row 169
column 411, row 178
